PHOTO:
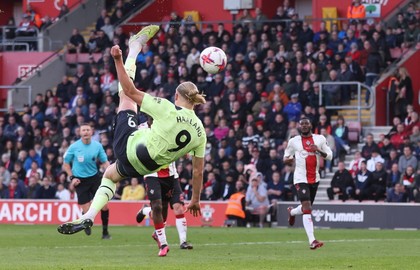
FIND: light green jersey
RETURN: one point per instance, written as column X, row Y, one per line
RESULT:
column 175, row 132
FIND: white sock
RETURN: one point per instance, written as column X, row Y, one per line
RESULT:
column 161, row 236
column 146, row 211
column 297, row 211
column 181, row 226
column 309, row 227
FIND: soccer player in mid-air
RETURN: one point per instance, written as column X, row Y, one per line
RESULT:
column 176, row 131
column 305, row 150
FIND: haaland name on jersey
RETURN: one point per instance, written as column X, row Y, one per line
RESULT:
column 182, row 119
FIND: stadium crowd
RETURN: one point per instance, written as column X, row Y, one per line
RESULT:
column 271, row 80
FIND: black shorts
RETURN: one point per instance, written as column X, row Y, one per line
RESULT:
column 306, row 192
column 125, row 123
column 166, row 189
column 87, row 188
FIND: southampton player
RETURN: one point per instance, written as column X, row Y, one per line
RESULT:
column 163, row 189
column 306, row 150
column 176, row 131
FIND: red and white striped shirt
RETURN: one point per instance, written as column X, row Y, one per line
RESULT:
column 306, row 160
column 166, row 172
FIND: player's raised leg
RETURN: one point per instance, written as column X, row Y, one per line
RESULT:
column 135, row 44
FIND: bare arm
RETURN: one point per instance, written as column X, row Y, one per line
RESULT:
column 67, row 169
column 105, row 165
column 198, row 167
column 127, row 84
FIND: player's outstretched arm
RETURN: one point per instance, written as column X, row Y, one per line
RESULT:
column 127, row 84
column 198, row 167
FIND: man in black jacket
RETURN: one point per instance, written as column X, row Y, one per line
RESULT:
column 374, row 64
column 377, row 186
column 341, row 183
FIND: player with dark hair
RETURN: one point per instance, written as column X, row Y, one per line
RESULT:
column 306, row 149
column 176, row 131
column 163, row 189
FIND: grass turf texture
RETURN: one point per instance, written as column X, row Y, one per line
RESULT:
column 41, row 247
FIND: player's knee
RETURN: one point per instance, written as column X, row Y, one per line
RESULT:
column 306, row 208
column 178, row 209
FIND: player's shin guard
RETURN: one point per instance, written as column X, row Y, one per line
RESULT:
column 104, row 194
column 181, row 226
column 308, row 224
column 130, row 68
column 160, row 232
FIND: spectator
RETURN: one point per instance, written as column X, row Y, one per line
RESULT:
column 257, row 200
column 396, row 194
column 134, row 191
column 10, row 130
column 76, row 43
column 275, row 190
column 46, row 190
column 373, row 67
column 411, row 33
column 394, row 176
column 16, row 191
column 408, row 181
column 4, row 191
column 64, row 10
column 26, row 27
column 33, row 156
column 354, row 165
column 62, row 193
column 362, row 179
column 374, row 159
column 415, row 136
column 227, row 186
column 405, row 87
column 293, row 109
column 33, row 186
column 108, row 28
column 340, row 133
column 260, row 19
column 341, row 183
column 407, row 159
column 369, row 147
column 377, row 186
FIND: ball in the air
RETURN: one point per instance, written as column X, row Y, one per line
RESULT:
column 213, row 60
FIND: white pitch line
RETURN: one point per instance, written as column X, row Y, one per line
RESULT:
column 248, row 243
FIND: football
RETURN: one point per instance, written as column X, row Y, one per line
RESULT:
column 213, row 60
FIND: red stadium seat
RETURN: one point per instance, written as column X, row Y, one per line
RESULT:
column 75, row 58
column 395, row 53
column 355, row 129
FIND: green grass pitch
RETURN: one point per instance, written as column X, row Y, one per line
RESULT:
column 41, row 247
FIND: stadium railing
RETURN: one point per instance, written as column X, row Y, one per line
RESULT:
column 15, row 88
column 360, row 104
